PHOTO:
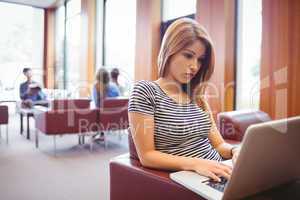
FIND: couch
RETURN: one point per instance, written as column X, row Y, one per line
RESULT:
column 77, row 118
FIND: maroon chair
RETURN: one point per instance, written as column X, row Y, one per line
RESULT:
column 148, row 183
column 145, row 183
column 113, row 116
column 65, row 104
column 233, row 124
column 4, row 120
column 61, row 122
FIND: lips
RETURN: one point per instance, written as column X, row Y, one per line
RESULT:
column 189, row 75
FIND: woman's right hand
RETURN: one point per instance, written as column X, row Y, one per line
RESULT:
column 212, row 169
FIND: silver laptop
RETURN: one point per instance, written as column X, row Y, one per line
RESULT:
column 269, row 157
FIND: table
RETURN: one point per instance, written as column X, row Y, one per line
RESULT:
column 29, row 112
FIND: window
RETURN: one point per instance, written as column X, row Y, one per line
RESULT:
column 248, row 54
column 119, row 42
column 60, row 48
column 73, row 48
column 176, row 8
column 21, row 45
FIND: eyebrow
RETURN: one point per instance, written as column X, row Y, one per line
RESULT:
column 190, row 51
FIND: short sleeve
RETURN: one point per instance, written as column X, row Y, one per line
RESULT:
column 142, row 99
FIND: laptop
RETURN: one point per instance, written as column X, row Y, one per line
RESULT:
column 269, row 157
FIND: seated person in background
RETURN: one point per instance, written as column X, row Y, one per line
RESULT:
column 30, row 91
column 114, row 74
column 170, row 120
column 103, row 88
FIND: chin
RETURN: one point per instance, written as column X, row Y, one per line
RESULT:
column 185, row 80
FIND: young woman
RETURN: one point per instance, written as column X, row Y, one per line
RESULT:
column 171, row 123
column 103, row 88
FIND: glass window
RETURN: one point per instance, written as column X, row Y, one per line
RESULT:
column 176, row 8
column 248, row 54
column 119, row 42
column 73, row 8
column 21, row 45
column 99, row 32
column 59, row 47
column 73, row 47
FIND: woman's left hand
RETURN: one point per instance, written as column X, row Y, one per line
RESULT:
column 235, row 154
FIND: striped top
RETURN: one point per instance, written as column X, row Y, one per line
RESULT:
column 179, row 129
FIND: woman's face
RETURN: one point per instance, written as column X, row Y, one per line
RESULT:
column 185, row 64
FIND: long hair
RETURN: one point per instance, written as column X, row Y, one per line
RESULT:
column 180, row 34
column 102, row 81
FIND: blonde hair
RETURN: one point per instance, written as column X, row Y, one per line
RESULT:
column 181, row 33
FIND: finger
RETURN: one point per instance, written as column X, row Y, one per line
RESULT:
column 222, row 173
column 213, row 176
column 226, row 168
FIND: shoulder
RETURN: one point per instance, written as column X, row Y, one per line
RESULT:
column 96, row 87
column 112, row 86
column 145, row 85
column 24, row 84
column 113, row 89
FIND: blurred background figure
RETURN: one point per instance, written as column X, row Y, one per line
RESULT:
column 103, row 87
column 30, row 91
column 114, row 73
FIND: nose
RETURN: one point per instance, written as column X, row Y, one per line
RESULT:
column 194, row 65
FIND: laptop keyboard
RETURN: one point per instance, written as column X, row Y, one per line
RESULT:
column 218, row 185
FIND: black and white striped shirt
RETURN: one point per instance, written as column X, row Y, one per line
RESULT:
column 179, row 129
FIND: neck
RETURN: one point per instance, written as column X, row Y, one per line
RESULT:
column 171, row 84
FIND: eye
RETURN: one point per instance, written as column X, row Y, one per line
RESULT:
column 188, row 55
column 201, row 60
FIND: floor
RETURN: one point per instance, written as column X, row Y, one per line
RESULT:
column 74, row 173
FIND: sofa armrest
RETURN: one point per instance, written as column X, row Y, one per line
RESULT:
column 233, row 124
column 129, row 180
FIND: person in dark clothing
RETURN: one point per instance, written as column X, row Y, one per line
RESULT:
column 31, row 90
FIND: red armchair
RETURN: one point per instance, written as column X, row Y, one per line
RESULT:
column 155, row 184
column 61, row 122
column 113, row 116
column 4, row 120
column 233, row 124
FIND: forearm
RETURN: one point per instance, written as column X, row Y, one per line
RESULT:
column 159, row 160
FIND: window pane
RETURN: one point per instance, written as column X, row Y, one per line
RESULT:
column 176, row 8
column 73, row 8
column 73, row 34
column 21, row 45
column 248, row 54
column 120, row 22
column 59, row 47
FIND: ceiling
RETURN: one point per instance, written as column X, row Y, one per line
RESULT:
column 35, row 3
